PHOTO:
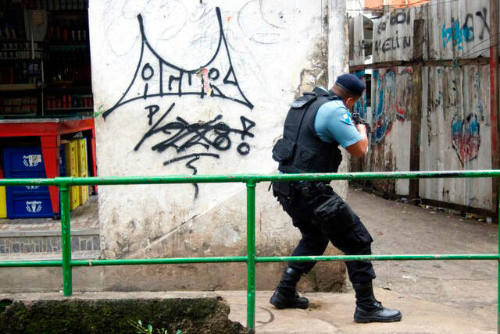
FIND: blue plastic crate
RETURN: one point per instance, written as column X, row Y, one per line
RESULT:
column 23, row 162
column 28, row 206
column 26, row 162
column 27, row 190
column 28, row 201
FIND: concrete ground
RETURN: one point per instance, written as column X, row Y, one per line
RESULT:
column 434, row 297
column 330, row 313
column 397, row 228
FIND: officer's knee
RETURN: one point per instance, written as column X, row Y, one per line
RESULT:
column 318, row 244
column 361, row 233
column 361, row 240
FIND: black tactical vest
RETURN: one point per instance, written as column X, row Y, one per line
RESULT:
column 301, row 150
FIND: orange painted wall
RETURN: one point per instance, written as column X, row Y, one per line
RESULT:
column 378, row 4
column 373, row 4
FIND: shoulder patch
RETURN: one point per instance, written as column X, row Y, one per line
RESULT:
column 346, row 118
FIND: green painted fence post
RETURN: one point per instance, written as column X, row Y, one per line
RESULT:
column 66, row 241
column 251, row 256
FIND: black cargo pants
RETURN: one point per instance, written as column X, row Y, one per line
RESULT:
column 322, row 216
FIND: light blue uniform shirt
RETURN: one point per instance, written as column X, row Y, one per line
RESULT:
column 333, row 123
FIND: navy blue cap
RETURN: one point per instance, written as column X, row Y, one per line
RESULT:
column 351, row 83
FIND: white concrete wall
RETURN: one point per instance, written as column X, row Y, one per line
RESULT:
column 153, row 87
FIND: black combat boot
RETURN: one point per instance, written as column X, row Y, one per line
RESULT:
column 368, row 309
column 285, row 295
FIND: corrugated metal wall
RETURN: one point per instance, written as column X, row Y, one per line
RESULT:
column 454, row 102
column 393, row 35
column 455, row 133
column 458, row 29
column 390, row 138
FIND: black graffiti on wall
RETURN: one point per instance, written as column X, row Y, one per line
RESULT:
column 397, row 41
column 399, row 18
column 180, row 136
column 393, row 43
column 155, row 77
column 171, row 80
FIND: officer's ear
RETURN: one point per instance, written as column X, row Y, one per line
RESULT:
column 350, row 101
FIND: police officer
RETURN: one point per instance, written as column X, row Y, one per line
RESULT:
column 317, row 123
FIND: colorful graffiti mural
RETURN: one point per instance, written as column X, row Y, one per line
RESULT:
column 466, row 137
column 459, row 95
column 361, row 107
column 384, row 91
column 393, row 91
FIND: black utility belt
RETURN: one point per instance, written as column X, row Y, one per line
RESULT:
column 313, row 184
column 304, row 183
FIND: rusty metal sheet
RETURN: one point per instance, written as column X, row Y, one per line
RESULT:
column 357, row 35
column 453, row 30
column 455, row 130
column 389, row 118
column 455, row 133
column 458, row 29
column 455, row 125
column 392, row 91
column 393, row 35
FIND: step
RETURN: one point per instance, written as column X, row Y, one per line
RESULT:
column 46, row 244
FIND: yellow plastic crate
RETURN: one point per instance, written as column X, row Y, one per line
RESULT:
column 83, row 169
column 71, row 150
column 3, row 203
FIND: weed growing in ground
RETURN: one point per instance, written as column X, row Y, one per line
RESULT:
column 143, row 329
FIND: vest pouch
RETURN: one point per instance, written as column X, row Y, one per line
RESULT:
column 305, row 157
column 283, row 150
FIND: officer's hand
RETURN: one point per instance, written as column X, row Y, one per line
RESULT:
column 361, row 127
column 356, row 117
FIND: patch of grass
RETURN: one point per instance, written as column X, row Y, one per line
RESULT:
column 4, row 303
column 143, row 329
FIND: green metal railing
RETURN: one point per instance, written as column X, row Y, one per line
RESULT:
column 251, row 259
